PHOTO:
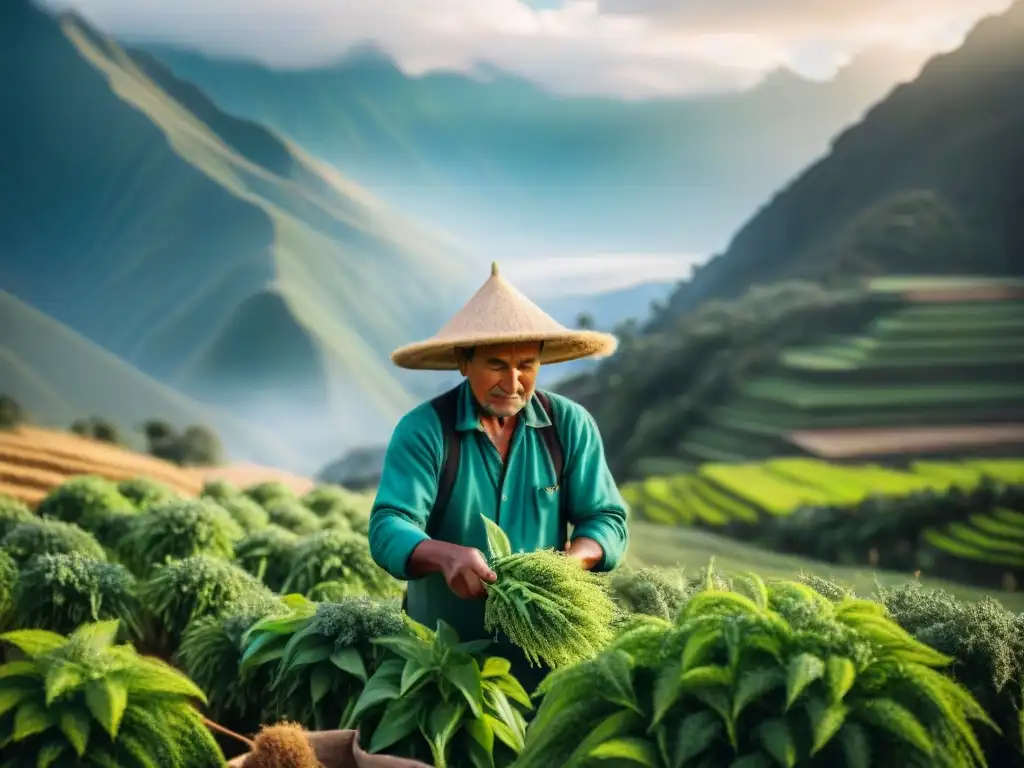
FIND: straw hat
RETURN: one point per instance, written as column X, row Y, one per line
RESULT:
column 499, row 314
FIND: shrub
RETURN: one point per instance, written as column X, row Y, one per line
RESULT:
column 337, row 556
column 199, row 447
column 546, row 604
column 246, row 512
column 92, row 503
column 49, row 537
column 11, row 413
column 211, row 653
column 291, row 514
column 648, row 591
column 262, row 493
column 12, row 512
column 178, row 530
column 182, row 591
column 436, row 698
column 8, row 583
column 987, row 642
column 97, row 428
column 60, row 592
column 321, row 656
column 218, row 490
column 145, row 492
column 82, row 696
column 777, row 676
column 267, row 554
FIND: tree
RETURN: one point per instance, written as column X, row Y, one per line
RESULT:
column 199, row 447
column 11, row 414
column 97, row 428
column 585, row 321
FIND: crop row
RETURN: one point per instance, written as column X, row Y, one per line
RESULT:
column 132, row 614
column 950, row 516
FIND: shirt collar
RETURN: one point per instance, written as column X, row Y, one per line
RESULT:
column 468, row 416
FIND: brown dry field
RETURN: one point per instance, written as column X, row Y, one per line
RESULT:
column 851, row 443
column 33, row 461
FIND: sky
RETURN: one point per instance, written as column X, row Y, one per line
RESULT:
column 620, row 48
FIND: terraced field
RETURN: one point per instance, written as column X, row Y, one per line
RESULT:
column 935, row 513
column 952, row 354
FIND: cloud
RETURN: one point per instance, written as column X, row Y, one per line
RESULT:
column 628, row 48
column 570, row 275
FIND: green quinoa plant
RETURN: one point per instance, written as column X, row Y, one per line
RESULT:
column 219, row 490
column 337, row 556
column 181, row 591
column 81, row 700
column 263, row 493
column 40, row 536
column 8, row 585
column 649, row 591
column 545, row 603
column 267, row 554
column 290, row 513
column 59, row 592
column 771, row 675
column 178, row 530
column 12, row 512
column 94, row 504
column 144, row 492
column 246, row 512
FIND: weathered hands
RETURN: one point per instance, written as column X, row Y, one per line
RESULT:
column 465, row 570
column 586, row 552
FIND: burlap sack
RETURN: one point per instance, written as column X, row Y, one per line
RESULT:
column 340, row 749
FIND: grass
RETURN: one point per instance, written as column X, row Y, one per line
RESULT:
column 656, row 545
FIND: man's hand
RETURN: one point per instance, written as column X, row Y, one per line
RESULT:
column 464, row 568
column 587, row 552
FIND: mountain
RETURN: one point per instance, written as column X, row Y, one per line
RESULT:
column 512, row 168
column 927, row 182
column 37, row 353
column 197, row 246
column 607, row 308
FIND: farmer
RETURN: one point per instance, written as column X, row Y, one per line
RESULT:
column 530, row 460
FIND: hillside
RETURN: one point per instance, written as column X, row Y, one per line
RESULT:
column 505, row 164
column 193, row 245
column 888, row 369
column 927, row 182
column 59, row 376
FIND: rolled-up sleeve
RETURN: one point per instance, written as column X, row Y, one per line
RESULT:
column 596, row 508
column 408, row 487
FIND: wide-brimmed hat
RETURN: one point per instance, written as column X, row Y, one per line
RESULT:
column 498, row 313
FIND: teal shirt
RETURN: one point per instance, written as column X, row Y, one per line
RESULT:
column 525, row 505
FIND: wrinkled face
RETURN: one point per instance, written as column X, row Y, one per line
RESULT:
column 502, row 376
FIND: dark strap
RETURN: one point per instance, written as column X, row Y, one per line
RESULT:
column 447, row 409
column 446, row 406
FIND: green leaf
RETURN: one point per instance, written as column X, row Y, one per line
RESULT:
column 465, row 675
column 34, row 642
column 62, row 677
column 473, row 647
column 76, row 727
column 12, row 696
column 266, row 647
column 32, row 718
column 695, row 734
column 100, row 634
column 778, row 742
column 106, row 699
column 400, row 718
column 320, row 681
column 480, row 745
column 616, row 681
column 505, row 733
column 497, row 541
column 897, row 720
column 840, row 674
column 152, row 675
column 667, row 689
column 700, row 646
column 753, row 760
column 445, row 637
column 617, row 725
column 511, row 688
column 407, row 647
column 505, row 723
column 412, row 674
column 856, row 745
column 48, row 755
column 20, row 668
column 803, row 670
column 382, row 686
column 349, row 660
column 632, row 750
column 826, row 720
column 495, row 666
column 440, row 726
column 753, row 684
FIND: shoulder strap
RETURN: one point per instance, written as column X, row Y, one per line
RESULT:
column 446, row 406
column 550, row 436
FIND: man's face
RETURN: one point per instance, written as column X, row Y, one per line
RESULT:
column 502, row 376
